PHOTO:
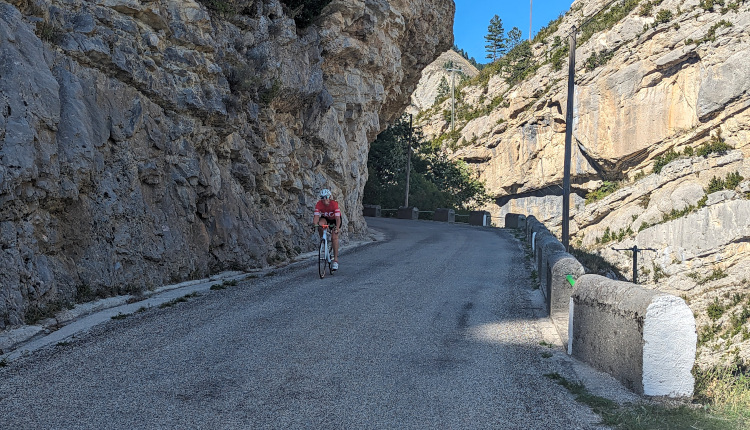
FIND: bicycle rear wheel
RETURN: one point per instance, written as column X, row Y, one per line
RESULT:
column 322, row 261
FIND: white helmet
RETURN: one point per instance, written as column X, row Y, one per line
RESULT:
column 325, row 193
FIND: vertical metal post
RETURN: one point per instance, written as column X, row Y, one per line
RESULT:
column 531, row 4
column 568, row 141
column 635, row 250
column 453, row 101
column 453, row 96
column 408, row 164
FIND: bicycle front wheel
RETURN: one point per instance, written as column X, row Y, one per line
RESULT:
column 330, row 258
column 322, row 260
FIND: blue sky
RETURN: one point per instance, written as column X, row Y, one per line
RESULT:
column 473, row 17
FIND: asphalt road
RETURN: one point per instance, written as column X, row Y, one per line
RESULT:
column 433, row 328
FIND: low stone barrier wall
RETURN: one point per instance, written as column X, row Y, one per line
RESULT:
column 644, row 338
column 481, row 218
column 444, row 215
column 371, row 210
column 407, row 212
column 515, row 221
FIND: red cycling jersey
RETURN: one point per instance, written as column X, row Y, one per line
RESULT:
column 330, row 211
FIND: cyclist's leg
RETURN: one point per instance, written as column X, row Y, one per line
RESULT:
column 321, row 223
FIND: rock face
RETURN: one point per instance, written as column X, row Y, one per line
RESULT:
column 149, row 142
column 428, row 88
column 658, row 80
column 665, row 86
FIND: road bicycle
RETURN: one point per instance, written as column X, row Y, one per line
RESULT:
column 325, row 253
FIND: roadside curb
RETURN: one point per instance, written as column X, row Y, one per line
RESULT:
column 24, row 340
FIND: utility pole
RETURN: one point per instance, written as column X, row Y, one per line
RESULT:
column 453, row 97
column 408, row 163
column 531, row 3
column 568, row 141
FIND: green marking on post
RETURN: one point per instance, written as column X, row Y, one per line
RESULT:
column 571, row 280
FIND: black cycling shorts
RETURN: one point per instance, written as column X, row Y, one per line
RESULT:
column 331, row 222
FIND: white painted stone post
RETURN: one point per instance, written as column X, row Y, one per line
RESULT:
column 669, row 346
column 644, row 338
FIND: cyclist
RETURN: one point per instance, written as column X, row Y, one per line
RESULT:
column 327, row 212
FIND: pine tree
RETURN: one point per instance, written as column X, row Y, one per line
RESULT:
column 514, row 38
column 519, row 63
column 495, row 39
column 466, row 55
column 443, row 91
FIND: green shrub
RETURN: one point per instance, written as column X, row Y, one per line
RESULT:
column 659, row 273
column 711, row 33
column 707, row 333
column 733, row 6
column 715, row 310
column 716, row 274
column 646, row 9
column 716, row 184
column 267, row 95
column 675, row 214
column 49, row 32
column 558, row 57
column 304, row 12
column 708, row 5
column 663, row 160
column 604, row 190
column 549, row 30
column 733, row 180
column 738, row 320
column 598, row 59
column 606, row 19
column 480, row 110
column 222, row 7
column 610, row 236
column 663, row 16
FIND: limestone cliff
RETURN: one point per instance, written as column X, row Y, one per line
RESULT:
column 147, row 142
column 656, row 81
column 429, row 85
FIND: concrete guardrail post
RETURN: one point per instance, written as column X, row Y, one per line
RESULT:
column 481, row 218
column 547, row 244
column 444, row 215
column 408, row 212
column 644, row 338
column 562, row 271
column 533, row 231
column 371, row 210
column 531, row 222
column 517, row 221
column 536, row 237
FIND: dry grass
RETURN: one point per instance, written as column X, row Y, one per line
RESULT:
column 727, row 392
